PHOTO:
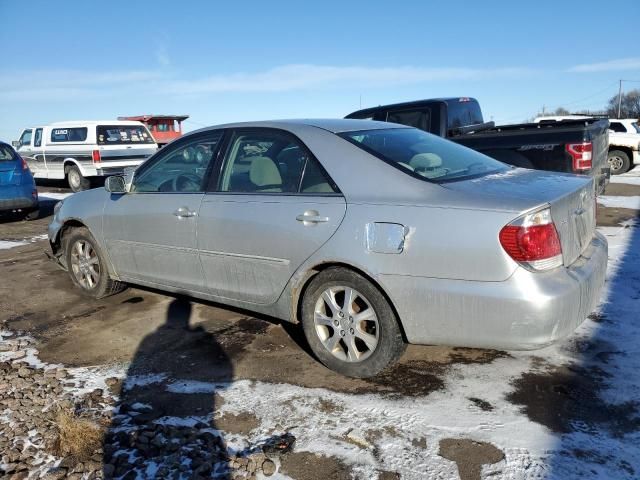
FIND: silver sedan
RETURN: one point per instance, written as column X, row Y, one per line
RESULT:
column 371, row 235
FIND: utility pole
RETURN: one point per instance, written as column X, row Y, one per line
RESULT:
column 620, row 100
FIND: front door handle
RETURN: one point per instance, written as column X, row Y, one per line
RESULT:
column 311, row 217
column 184, row 212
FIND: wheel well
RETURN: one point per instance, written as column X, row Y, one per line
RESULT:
column 298, row 293
column 626, row 150
column 68, row 225
column 67, row 166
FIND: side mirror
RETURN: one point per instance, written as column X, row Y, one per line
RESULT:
column 115, row 184
column 15, row 144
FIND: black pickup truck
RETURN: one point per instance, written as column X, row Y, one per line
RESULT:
column 578, row 146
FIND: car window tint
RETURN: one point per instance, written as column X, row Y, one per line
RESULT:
column 6, row 154
column 315, row 180
column 271, row 162
column 423, row 155
column 617, row 127
column 122, row 134
column 181, row 168
column 37, row 139
column 462, row 112
column 68, row 134
column 412, row 118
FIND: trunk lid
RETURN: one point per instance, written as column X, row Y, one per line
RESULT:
column 10, row 172
column 571, row 199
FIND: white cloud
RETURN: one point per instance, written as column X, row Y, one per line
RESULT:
column 39, row 86
column 609, row 66
column 305, row 76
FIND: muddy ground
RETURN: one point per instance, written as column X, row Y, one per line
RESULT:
column 154, row 332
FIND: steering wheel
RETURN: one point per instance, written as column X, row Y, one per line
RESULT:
column 186, row 182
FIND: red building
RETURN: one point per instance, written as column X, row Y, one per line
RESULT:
column 164, row 128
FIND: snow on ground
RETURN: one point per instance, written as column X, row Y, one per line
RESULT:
column 53, row 196
column 632, row 177
column 7, row 244
column 615, row 201
column 388, row 429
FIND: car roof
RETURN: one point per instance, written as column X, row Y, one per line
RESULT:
column 334, row 125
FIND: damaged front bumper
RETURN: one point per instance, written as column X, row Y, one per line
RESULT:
column 529, row 310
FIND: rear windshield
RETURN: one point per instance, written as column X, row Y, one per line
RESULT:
column 636, row 127
column 423, row 155
column 123, row 134
column 6, row 154
column 463, row 112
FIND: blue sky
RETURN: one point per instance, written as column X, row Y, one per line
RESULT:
column 231, row 61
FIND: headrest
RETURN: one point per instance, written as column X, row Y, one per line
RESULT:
column 264, row 172
column 423, row 161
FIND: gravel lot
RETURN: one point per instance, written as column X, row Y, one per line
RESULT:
column 148, row 385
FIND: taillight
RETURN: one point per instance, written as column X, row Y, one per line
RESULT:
column 582, row 155
column 532, row 240
column 25, row 165
column 96, row 156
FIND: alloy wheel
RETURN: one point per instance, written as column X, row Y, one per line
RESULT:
column 85, row 264
column 346, row 324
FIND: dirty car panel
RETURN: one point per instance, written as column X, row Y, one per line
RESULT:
column 426, row 231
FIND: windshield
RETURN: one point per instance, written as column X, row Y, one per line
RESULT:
column 424, row 155
column 123, row 134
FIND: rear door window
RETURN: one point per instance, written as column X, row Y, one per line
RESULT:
column 122, row 134
column 270, row 161
column 69, row 134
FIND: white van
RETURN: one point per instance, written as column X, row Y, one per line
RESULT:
column 79, row 151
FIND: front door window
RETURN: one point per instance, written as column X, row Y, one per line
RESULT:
column 180, row 169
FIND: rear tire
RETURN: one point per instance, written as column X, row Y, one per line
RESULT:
column 76, row 181
column 32, row 215
column 87, row 266
column 618, row 162
column 357, row 338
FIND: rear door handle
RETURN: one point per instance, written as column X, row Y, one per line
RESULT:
column 311, row 217
column 184, row 212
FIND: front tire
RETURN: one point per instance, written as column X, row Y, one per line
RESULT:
column 619, row 162
column 76, row 181
column 349, row 324
column 87, row 266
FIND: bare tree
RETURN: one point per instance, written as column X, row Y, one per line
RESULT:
column 630, row 105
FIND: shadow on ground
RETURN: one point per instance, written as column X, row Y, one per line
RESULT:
column 163, row 424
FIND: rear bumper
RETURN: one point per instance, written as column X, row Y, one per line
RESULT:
column 17, row 198
column 527, row 311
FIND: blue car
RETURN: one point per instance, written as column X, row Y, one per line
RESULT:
column 18, row 193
